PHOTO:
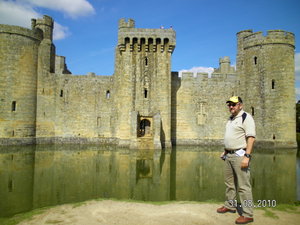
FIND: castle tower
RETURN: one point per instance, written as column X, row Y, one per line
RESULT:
column 45, row 116
column 47, row 49
column 265, row 65
column 18, row 82
column 143, row 83
column 24, row 54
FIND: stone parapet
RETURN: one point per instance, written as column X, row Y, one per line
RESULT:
column 16, row 30
column 272, row 37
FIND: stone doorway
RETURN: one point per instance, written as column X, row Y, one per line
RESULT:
column 145, row 129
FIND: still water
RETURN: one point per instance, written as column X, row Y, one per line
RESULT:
column 46, row 175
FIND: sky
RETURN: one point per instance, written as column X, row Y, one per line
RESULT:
column 86, row 30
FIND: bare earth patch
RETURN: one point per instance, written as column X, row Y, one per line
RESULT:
column 109, row 212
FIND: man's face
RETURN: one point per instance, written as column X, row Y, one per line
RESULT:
column 234, row 108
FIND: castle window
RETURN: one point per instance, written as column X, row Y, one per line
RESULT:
column 107, row 94
column 158, row 41
column 255, row 60
column 98, row 121
column 146, row 93
column 252, row 110
column 146, row 61
column 13, row 106
column 274, row 137
column 273, row 84
column 135, row 40
column 61, row 93
column 127, row 40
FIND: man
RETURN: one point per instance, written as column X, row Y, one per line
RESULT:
column 239, row 139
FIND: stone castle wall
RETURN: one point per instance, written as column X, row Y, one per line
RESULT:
column 44, row 103
column 84, row 106
column 199, row 109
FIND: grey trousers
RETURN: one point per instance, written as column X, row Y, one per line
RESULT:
column 237, row 181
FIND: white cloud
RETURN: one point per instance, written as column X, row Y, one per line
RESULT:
column 60, row 32
column 196, row 70
column 20, row 12
column 72, row 8
column 13, row 13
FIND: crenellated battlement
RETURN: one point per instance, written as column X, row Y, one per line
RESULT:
column 157, row 39
column 46, row 21
column 215, row 77
column 45, row 24
column 126, row 24
column 272, row 37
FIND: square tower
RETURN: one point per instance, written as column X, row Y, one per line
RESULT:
column 142, row 84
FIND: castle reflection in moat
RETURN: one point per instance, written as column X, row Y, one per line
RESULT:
column 37, row 176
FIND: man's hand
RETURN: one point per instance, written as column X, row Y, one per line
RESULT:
column 223, row 155
column 245, row 162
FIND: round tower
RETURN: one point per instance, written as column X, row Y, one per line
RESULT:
column 18, row 80
column 267, row 73
column 240, row 59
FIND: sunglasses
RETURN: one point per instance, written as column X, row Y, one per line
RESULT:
column 232, row 104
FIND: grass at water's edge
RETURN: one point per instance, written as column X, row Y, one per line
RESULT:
column 269, row 212
column 21, row 217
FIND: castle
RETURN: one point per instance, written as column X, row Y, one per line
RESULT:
column 143, row 104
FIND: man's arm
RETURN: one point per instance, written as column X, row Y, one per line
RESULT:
column 250, row 142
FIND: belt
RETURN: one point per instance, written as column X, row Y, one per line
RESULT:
column 232, row 151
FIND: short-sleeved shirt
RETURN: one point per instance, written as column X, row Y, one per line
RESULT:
column 238, row 130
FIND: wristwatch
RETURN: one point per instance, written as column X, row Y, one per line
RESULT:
column 247, row 155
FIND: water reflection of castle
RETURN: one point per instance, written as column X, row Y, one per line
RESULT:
column 38, row 176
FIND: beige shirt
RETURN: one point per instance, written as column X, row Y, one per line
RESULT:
column 237, row 131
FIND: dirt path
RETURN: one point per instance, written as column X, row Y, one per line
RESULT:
column 110, row 212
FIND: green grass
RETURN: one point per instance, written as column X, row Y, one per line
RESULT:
column 288, row 208
column 270, row 214
column 78, row 204
column 21, row 217
column 291, row 208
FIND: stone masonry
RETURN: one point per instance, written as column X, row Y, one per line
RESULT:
column 143, row 104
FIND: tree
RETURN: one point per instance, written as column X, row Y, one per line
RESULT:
column 298, row 116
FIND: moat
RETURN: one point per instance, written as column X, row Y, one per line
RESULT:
column 35, row 176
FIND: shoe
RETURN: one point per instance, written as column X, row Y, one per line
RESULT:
column 243, row 220
column 223, row 209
